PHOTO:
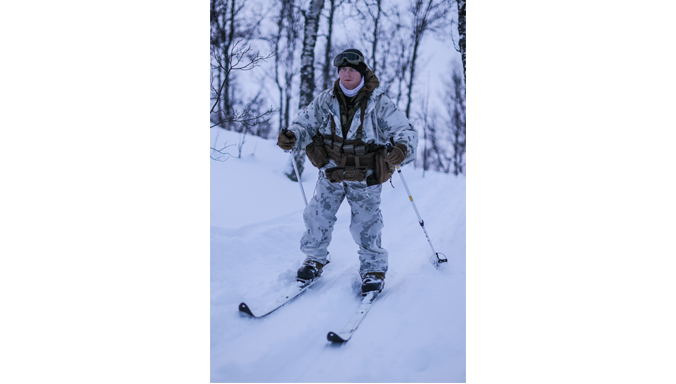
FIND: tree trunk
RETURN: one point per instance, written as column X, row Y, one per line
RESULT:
column 307, row 72
column 458, row 123
column 278, row 37
column 307, row 57
column 228, row 38
column 327, row 56
column 412, row 74
column 376, row 33
column 291, row 38
column 461, row 32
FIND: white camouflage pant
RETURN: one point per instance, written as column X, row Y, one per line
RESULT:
column 366, row 224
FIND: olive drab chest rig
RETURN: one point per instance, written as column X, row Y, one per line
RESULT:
column 353, row 157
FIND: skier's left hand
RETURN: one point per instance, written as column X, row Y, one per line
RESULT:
column 397, row 155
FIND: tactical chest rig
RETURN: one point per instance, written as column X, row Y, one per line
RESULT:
column 353, row 157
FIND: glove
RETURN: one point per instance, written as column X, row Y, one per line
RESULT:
column 397, row 155
column 286, row 140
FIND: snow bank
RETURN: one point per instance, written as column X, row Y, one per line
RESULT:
column 416, row 329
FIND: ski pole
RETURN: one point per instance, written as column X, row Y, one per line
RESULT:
column 438, row 257
column 295, row 169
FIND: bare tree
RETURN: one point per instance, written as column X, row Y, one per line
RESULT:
column 284, row 4
column 307, row 71
column 461, row 31
column 444, row 139
column 328, row 54
column 427, row 16
column 240, row 58
column 292, row 35
column 387, row 45
column 456, row 98
column 284, row 41
column 391, row 62
column 371, row 13
column 231, row 52
column 402, row 65
column 436, row 152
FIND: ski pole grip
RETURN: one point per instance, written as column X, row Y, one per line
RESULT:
column 284, row 133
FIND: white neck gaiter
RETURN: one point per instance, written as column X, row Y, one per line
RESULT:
column 351, row 93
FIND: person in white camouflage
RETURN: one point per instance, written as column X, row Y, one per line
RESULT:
column 353, row 162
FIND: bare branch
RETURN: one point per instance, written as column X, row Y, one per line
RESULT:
column 222, row 152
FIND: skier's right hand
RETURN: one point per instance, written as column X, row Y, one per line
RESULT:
column 286, row 140
column 397, row 155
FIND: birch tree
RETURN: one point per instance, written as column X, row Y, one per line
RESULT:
column 307, row 71
column 461, row 32
column 457, row 109
column 292, row 31
column 328, row 52
column 307, row 57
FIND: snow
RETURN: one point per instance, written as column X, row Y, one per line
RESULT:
column 415, row 331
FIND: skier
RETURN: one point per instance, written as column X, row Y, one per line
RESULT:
column 345, row 131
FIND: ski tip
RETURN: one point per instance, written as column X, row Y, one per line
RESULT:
column 334, row 338
column 245, row 308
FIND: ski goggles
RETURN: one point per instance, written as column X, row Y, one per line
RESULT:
column 348, row 58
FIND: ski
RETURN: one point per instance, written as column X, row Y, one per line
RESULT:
column 351, row 326
column 290, row 294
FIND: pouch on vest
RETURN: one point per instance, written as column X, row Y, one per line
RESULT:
column 383, row 169
column 337, row 174
column 316, row 151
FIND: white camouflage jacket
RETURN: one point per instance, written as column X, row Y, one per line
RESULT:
column 382, row 121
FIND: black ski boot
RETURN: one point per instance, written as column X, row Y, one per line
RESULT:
column 372, row 281
column 310, row 270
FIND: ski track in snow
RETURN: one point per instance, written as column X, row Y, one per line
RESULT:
column 415, row 331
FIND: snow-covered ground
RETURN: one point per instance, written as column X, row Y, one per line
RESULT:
column 415, row 331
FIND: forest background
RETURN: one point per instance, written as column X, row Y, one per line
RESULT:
column 270, row 59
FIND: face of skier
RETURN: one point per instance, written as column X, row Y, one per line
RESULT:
column 350, row 77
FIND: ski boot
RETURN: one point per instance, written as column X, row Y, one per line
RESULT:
column 372, row 281
column 309, row 271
